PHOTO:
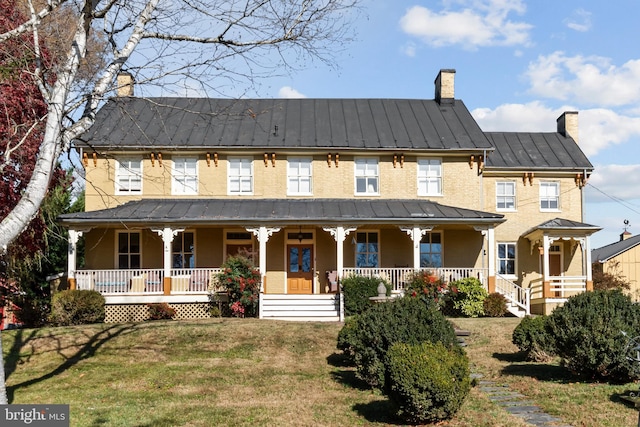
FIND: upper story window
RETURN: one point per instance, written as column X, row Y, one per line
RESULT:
column 129, row 250
column 549, row 196
column 129, row 176
column 183, row 250
column 240, row 175
column 507, row 259
column 367, row 176
column 299, row 176
column 429, row 177
column 185, row 176
column 367, row 249
column 506, row 196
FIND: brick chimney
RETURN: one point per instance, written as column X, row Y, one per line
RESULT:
column 125, row 84
column 445, row 86
column 568, row 124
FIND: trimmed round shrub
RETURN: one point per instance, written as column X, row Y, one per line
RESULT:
column 407, row 320
column 589, row 331
column 428, row 382
column 468, row 296
column 161, row 311
column 531, row 337
column 348, row 336
column 77, row 307
column 495, row 305
column 357, row 290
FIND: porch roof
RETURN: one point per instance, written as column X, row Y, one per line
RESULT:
column 560, row 227
column 281, row 212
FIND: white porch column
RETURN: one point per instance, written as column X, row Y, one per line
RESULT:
column 263, row 234
column 587, row 249
column 546, row 245
column 491, row 252
column 167, row 234
column 339, row 234
column 416, row 234
column 74, row 235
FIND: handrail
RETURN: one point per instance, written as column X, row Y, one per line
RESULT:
column 514, row 293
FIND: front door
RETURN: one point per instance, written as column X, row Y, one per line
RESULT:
column 300, row 269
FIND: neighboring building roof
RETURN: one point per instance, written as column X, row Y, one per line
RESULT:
column 605, row 253
column 385, row 124
column 278, row 211
column 539, row 150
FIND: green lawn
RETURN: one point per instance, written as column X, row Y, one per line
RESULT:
column 247, row 372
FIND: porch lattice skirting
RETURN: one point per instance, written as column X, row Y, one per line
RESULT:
column 123, row 313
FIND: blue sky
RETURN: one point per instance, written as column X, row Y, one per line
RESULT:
column 519, row 65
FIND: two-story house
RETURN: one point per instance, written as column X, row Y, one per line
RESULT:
column 320, row 189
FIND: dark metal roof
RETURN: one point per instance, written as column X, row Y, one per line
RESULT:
column 611, row 250
column 540, row 150
column 386, row 124
column 563, row 225
column 281, row 212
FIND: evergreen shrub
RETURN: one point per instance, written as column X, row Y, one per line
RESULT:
column 357, row 290
column 532, row 337
column 591, row 332
column 77, row 307
column 428, row 382
column 161, row 311
column 469, row 297
column 495, row 305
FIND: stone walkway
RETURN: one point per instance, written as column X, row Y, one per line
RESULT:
column 517, row 404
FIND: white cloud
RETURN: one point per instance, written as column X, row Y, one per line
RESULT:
column 409, row 49
column 475, row 24
column 580, row 20
column 289, row 92
column 619, row 183
column 590, row 80
column 598, row 128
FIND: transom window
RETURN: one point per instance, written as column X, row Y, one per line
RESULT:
column 366, row 176
column 240, row 175
column 185, row 176
column 128, row 250
column 367, row 249
column 183, row 250
column 129, row 176
column 431, row 250
column 299, row 176
column 429, row 177
column 507, row 259
column 506, row 195
column 550, row 196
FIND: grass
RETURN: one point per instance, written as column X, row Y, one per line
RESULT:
column 247, row 372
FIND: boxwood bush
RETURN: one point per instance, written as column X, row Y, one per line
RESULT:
column 428, row 382
column 357, row 290
column 588, row 332
column 495, row 305
column 407, row 320
column 532, row 337
column 77, row 307
column 468, row 296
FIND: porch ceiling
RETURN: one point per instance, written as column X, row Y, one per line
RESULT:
column 278, row 212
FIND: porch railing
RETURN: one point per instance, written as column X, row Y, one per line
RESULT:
column 398, row 276
column 566, row 286
column 514, row 293
column 145, row 281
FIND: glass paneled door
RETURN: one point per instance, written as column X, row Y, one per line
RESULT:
column 300, row 269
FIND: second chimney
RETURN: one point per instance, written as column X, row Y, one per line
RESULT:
column 568, row 124
column 125, row 84
column 445, row 86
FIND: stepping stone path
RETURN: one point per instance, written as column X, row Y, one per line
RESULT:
column 517, row 404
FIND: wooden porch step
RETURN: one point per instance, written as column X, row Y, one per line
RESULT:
column 323, row 307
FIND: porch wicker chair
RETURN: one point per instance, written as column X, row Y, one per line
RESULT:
column 138, row 283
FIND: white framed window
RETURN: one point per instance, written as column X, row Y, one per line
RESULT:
column 431, row 250
column 505, row 196
column 183, row 250
column 240, row 175
column 128, row 176
column 129, row 250
column 367, row 178
column 367, row 249
column 549, row 195
column 429, row 177
column 507, row 259
column 299, row 176
column 184, row 176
